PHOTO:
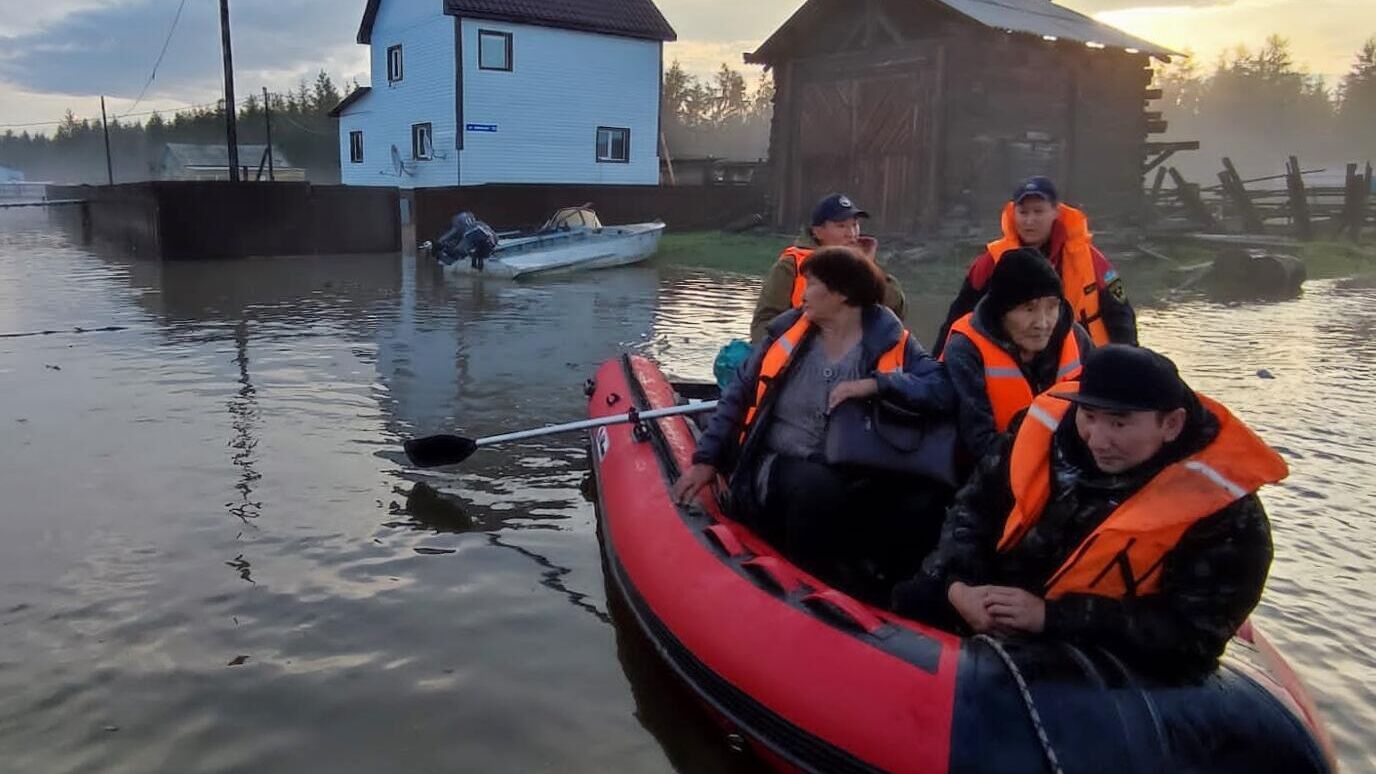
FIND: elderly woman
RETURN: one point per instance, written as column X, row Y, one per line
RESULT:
column 1021, row 339
column 770, row 430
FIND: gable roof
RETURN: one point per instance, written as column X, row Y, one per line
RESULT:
column 1031, row 17
column 349, row 100
column 623, row 18
column 214, row 156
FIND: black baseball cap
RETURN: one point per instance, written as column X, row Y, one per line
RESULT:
column 836, row 207
column 1118, row 377
column 1036, row 186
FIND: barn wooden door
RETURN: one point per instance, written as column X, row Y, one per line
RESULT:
column 873, row 137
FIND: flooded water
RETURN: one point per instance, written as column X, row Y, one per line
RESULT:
column 209, row 560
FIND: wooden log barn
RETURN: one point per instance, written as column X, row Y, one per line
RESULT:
column 928, row 112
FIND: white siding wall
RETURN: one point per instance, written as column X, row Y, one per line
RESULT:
column 425, row 93
column 563, row 86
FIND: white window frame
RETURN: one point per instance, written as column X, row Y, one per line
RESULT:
column 396, row 70
column 422, row 141
column 610, row 132
column 496, row 37
column 356, row 146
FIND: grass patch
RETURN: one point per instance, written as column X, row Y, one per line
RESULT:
column 746, row 253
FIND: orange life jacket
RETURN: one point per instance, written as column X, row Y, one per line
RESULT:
column 780, row 355
column 797, row 255
column 1079, row 280
column 1122, row 557
column 1004, row 381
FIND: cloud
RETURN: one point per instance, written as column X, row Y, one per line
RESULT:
column 110, row 49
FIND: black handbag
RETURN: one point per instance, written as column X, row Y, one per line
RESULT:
column 879, row 435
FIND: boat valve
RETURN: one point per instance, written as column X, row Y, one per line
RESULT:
column 613, row 399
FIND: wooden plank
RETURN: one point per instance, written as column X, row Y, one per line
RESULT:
column 1237, row 192
column 1151, row 94
column 1156, row 184
column 1299, row 203
column 1189, row 196
column 1157, row 127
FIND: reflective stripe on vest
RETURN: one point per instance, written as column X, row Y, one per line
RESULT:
column 780, row 355
column 1078, row 278
column 1123, row 556
column 797, row 256
column 1004, row 381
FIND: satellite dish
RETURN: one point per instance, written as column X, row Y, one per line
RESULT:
column 399, row 166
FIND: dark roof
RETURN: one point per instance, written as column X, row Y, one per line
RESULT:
column 214, row 156
column 351, row 98
column 1032, row 17
column 624, row 18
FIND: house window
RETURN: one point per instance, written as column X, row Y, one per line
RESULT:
column 422, row 142
column 356, row 147
column 494, row 50
column 613, row 145
column 394, row 69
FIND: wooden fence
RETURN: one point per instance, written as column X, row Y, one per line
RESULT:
column 1274, row 204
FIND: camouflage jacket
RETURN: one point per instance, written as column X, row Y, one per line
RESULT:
column 1210, row 582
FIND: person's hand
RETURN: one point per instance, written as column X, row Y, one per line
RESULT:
column 690, row 483
column 859, row 388
column 868, row 247
column 1016, row 610
column 970, row 603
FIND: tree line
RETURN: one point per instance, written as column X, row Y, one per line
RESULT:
column 720, row 116
column 75, row 151
column 1259, row 106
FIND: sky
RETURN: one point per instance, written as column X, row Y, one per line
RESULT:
column 57, row 55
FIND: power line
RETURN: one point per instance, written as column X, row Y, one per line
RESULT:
column 176, row 18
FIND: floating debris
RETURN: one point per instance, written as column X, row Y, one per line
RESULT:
column 238, row 661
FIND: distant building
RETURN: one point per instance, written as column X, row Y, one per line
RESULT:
column 930, row 111
column 709, row 170
column 467, row 92
column 184, row 161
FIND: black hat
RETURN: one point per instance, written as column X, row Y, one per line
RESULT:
column 1118, row 377
column 1020, row 276
column 836, row 207
column 1036, row 186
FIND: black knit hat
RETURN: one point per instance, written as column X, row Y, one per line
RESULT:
column 1021, row 276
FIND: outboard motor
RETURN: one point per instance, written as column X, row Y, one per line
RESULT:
column 467, row 237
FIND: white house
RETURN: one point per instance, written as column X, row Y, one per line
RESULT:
column 467, row 92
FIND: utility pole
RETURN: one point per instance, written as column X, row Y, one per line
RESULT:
column 231, row 117
column 109, row 165
column 267, row 119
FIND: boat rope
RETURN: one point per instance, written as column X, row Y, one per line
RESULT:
column 1027, row 701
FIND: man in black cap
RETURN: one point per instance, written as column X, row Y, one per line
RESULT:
column 835, row 222
column 1020, row 341
column 1035, row 217
column 1123, row 515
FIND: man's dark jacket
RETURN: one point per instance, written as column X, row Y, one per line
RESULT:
column 1210, row 582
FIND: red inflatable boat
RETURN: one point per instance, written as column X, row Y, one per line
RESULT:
column 817, row 681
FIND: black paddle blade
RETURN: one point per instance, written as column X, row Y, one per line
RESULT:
column 438, row 450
